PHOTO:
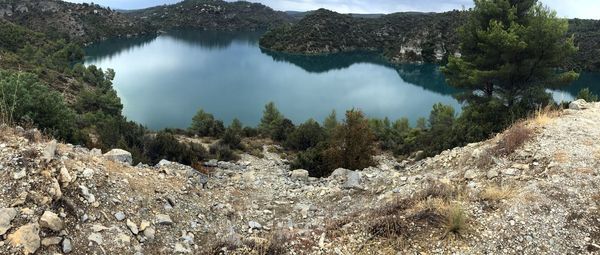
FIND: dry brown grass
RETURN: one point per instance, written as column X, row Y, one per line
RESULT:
column 513, row 138
column 496, row 194
column 561, row 157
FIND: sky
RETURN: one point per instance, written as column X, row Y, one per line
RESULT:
column 565, row 8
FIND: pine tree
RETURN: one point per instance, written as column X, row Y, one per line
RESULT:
column 510, row 52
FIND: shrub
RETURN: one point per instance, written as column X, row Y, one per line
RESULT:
column 204, row 124
column 587, row 95
column 166, row 146
column 250, row 132
column 456, row 221
column 513, row 139
column 232, row 138
column 330, row 123
column 223, row 152
column 305, row 136
column 25, row 98
column 282, row 129
column 312, row 160
column 270, row 120
column 352, row 144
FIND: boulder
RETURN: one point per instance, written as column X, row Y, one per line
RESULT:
column 212, row 163
column 470, row 175
column 6, row 216
column 51, row 221
column 339, row 174
column 352, row 180
column 50, row 151
column 254, row 225
column 579, row 104
column 118, row 155
column 26, row 237
column 67, row 247
column 163, row 219
column 299, row 175
column 491, row 174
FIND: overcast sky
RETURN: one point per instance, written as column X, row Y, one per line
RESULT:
column 565, row 8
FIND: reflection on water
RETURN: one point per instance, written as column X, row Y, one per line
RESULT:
column 163, row 80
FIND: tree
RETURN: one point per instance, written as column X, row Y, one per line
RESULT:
column 587, row 95
column 330, row 123
column 306, row 136
column 270, row 119
column 510, row 52
column 204, row 124
column 352, row 144
column 440, row 135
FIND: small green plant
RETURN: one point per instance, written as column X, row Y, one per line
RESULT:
column 456, row 221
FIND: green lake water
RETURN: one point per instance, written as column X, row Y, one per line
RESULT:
column 163, row 80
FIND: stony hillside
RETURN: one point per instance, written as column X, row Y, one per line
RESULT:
column 213, row 15
column 403, row 37
column 542, row 198
column 81, row 22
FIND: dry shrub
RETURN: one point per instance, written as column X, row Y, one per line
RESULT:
column 428, row 211
column 456, row 221
column 496, row 194
column 544, row 116
column 513, row 138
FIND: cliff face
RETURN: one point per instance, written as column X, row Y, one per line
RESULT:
column 540, row 198
column 213, row 15
column 80, row 22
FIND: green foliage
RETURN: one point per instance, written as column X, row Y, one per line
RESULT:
column 270, row 120
column 306, row 136
column 223, row 152
column 313, row 161
column 330, row 123
column 352, row 144
column 587, row 95
column 204, row 124
column 510, row 52
column 282, row 129
column 23, row 97
column 166, row 146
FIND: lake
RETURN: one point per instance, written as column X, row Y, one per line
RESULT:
column 164, row 80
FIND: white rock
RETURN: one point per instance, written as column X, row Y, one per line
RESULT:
column 163, row 219
column 120, row 216
column 51, row 221
column 299, row 175
column 119, row 155
column 6, row 217
column 20, row 174
column 132, row 227
column 27, row 237
column 96, row 238
column 579, row 104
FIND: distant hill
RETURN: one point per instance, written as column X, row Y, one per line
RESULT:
column 299, row 15
column 400, row 36
column 213, row 15
column 80, row 22
column 403, row 37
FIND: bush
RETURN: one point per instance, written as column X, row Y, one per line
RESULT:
column 25, row 98
column 270, row 120
column 223, row 152
column 587, row 95
column 306, row 136
column 513, row 138
column 204, row 124
column 312, row 160
column 166, row 146
column 233, row 138
column 352, row 144
column 281, row 130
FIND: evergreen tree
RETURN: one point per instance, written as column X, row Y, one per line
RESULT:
column 330, row 122
column 510, row 52
column 270, row 119
column 352, row 144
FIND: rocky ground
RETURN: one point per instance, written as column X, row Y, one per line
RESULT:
column 540, row 199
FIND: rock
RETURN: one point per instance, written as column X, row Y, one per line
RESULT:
column 419, row 155
column 339, row 174
column 96, row 152
column 65, row 176
column 26, row 237
column 299, row 175
column 88, row 173
column 96, row 238
column 149, row 233
column 510, row 171
column 163, row 219
column 212, row 163
column 118, row 155
column 144, row 225
column 54, row 190
column 122, row 239
column 163, row 163
column 132, row 227
column 49, row 241
column 180, row 248
column 67, row 247
column 470, row 175
column 89, row 197
column 20, row 174
column 6, row 217
column 579, row 104
column 523, row 167
column 254, row 225
column 49, row 151
column 51, row 221
column 120, row 216
column 352, row 180
column 491, row 174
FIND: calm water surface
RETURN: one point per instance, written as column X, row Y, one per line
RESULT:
column 162, row 81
